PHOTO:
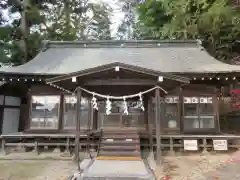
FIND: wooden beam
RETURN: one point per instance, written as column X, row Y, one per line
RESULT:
column 158, row 125
column 77, row 139
column 107, row 82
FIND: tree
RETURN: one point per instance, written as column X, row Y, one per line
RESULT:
column 100, row 25
column 53, row 20
column 152, row 16
column 4, row 34
column 75, row 19
column 215, row 22
column 128, row 27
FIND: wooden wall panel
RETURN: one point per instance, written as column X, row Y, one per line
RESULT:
column 44, row 89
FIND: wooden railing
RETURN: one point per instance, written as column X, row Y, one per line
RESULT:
column 170, row 143
column 204, row 142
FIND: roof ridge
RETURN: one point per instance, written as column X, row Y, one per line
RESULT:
column 119, row 43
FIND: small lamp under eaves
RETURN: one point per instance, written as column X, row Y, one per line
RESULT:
column 117, row 68
column 74, row 79
column 160, row 79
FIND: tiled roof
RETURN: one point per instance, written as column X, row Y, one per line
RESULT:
column 161, row 56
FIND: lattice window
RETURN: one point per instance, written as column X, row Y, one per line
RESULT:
column 45, row 112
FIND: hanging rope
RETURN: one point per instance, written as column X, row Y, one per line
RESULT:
column 119, row 97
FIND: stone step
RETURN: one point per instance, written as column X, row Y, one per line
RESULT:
column 119, row 132
column 119, row 153
column 116, row 148
column 117, row 178
column 132, row 136
column 120, row 142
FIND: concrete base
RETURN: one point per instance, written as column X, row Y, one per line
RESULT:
column 66, row 154
column 151, row 161
column 117, row 169
column 35, row 151
column 120, row 158
column 57, row 150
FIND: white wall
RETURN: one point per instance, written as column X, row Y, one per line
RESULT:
column 12, row 101
column 10, row 120
column 11, row 115
column 1, row 99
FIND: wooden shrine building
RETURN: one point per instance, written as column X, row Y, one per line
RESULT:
column 148, row 87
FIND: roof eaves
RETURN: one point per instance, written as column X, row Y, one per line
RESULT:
column 121, row 65
column 156, row 73
column 81, row 73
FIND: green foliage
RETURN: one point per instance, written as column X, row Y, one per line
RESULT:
column 128, row 27
column 101, row 22
column 215, row 22
column 59, row 20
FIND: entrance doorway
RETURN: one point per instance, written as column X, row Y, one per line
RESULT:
column 117, row 119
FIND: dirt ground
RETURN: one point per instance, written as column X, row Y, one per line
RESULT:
column 36, row 169
column 200, row 167
column 190, row 167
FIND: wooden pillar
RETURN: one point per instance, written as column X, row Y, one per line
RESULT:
column 180, row 110
column 29, row 110
column 90, row 109
column 216, row 110
column 61, row 113
column 77, row 139
column 158, row 125
column 145, row 102
column 150, row 125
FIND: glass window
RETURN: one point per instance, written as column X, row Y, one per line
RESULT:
column 198, row 112
column 135, row 118
column 45, row 112
column 117, row 118
column 171, row 112
column 169, row 107
column 69, row 112
column 111, row 120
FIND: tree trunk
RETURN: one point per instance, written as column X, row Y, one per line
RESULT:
column 24, row 30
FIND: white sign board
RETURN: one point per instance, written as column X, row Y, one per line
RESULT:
column 109, row 140
column 190, row 145
column 220, row 145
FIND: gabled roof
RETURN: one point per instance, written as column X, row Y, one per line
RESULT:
column 121, row 66
column 59, row 58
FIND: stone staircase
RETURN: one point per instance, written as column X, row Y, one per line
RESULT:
column 120, row 143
